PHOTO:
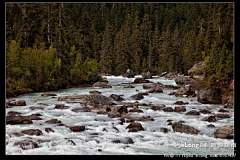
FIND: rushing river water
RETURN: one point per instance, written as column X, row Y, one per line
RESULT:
column 151, row 141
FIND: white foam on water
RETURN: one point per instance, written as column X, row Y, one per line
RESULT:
column 148, row 142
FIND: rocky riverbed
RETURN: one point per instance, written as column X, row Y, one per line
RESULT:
column 150, row 116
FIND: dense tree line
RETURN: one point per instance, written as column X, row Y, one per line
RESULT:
column 54, row 45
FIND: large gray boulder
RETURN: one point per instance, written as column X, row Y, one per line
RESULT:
column 225, row 132
column 171, row 75
column 182, row 80
column 209, row 96
column 186, row 91
column 129, row 74
column 146, row 75
column 197, row 71
column 179, row 127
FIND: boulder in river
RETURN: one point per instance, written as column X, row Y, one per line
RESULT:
column 26, row 144
column 210, row 119
column 179, row 109
column 222, row 110
column 48, row 94
column 129, row 74
column 18, row 103
column 135, row 127
column 53, row 121
column 182, row 81
column 99, row 85
column 49, row 130
column 18, row 120
column 209, row 96
column 222, row 115
column 138, row 96
column 92, row 98
column 180, row 103
column 156, row 89
column 193, row 112
column 116, row 97
column 141, row 80
column 35, row 132
column 179, row 127
column 77, row 128
column 186, row 91
column 167, row 109
column 146, row 75
column 224, row 132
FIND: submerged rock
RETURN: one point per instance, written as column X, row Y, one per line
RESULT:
column 179, row 127
column 135, row 127
column 225, row 132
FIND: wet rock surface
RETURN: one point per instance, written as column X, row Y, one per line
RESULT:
column 26, row 144
column 179, row 127
column 48, row 94
column 35, row 132
column 225, row 132
column 135, row 127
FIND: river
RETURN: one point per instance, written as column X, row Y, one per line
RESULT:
column 95, row 140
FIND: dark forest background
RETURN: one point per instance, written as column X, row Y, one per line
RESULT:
column 57, row 45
